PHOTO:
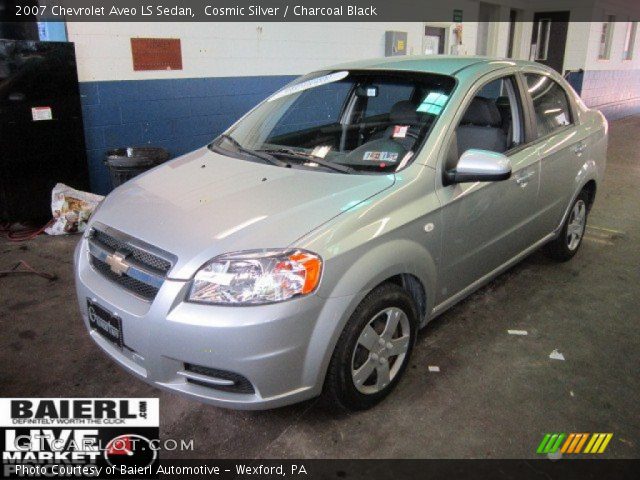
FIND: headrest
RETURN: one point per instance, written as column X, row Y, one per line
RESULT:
column 404, row 113
column 482, row 112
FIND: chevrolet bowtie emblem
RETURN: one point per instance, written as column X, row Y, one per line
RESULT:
column 117, row 263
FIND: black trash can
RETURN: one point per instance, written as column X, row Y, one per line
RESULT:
column 126, row 163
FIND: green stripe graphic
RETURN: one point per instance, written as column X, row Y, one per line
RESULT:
column 543, row 443
column 558, row 443
column 551, row 443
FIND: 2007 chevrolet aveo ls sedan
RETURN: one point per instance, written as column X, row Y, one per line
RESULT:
column 300, row 252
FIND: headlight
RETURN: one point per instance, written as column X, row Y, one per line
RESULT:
column 256, row 276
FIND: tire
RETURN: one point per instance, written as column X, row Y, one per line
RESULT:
column 567, row 243
column 372, row 319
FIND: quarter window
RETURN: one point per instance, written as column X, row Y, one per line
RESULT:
column 550, row 103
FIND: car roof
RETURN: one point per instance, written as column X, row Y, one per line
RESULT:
column 441, row 64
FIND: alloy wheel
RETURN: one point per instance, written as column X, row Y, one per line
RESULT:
column 576, row 226
column 381, row 350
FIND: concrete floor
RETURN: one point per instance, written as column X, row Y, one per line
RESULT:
column 495, row 395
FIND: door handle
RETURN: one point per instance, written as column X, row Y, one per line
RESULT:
column 579, row 149
column 524, row 178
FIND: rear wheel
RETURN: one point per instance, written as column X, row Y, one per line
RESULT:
column 565, row 246
column 373, row 350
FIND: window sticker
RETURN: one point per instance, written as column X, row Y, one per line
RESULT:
column 390, row 157
column 313, row 83
column 433, row 103
column 400, row 131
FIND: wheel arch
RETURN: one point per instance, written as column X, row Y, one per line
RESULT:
column 586, row 180
column 590, row 187
column 402, row 262
column 414, row 287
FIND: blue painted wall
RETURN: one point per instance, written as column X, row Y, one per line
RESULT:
column 184, row 114
column 575, row 79
column 177, row 114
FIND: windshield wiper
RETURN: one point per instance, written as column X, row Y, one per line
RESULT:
column 307, row 158
column 264, row 156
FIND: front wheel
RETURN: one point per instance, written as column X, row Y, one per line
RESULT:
column 565, row 246
column 373, row 350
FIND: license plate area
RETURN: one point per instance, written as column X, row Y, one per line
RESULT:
column 105, row 323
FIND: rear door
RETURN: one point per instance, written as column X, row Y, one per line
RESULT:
column 561, row 146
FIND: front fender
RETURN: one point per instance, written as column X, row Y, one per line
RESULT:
column 370, row 268
column 397, row 232
column 366, row 271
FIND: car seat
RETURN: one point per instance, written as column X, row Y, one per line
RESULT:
column 402, row 113
column 481, row 127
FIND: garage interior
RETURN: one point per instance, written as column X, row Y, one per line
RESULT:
column 488, row 393
column 494, row 392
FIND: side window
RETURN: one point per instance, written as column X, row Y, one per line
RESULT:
column 492, row 121
column 550, row 103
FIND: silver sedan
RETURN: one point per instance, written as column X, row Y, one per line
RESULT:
column 300, row 252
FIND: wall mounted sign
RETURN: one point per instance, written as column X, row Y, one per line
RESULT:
column 41, row 113
column 156, row 54
column 395, row 43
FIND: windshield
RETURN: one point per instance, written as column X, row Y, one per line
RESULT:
column 344, row 121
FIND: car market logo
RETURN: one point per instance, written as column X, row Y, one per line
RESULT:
column 572, row 443
column 78, row 436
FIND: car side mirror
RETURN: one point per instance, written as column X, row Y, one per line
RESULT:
column 479, row 166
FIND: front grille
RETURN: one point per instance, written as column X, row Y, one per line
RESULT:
column 145, row 258
column 145, row 291
column 142, row 269
column 240, row 383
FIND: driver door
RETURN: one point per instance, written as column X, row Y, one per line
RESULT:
column 488, row 223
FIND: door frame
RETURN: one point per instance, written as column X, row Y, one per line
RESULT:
column 442, row 48
column 528, row 115
column 535, row 26
column 447, row 35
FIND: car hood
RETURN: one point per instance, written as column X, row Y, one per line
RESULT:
column 204, row 204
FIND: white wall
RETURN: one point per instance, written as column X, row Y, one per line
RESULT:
column 616, row 60
column 469, row 35
column 583, row 38
column 575, row 53
column 233, row 49
column 243, row 49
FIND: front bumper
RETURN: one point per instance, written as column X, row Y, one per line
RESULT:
column 282, row 349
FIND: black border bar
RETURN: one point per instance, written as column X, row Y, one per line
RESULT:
column 276, row 10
